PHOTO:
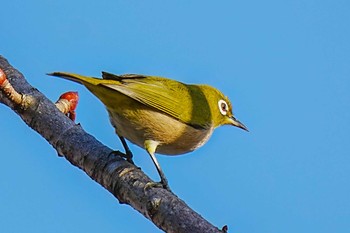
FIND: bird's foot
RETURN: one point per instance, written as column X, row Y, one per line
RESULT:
column 157, row 185
column 127, row 156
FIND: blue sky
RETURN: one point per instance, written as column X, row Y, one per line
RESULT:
column 284, row 65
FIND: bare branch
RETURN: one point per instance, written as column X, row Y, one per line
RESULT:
column 125, row 181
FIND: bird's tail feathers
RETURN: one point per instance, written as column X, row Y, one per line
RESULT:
column 73, row 77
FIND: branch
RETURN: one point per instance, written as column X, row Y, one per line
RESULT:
column 125, row 181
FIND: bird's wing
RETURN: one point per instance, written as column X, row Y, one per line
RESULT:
column 120, row 78
column 170, row 97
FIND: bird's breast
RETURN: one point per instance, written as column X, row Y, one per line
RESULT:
column 174, row 137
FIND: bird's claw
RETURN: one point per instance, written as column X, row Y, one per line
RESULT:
column 127, row 156
column 157, row 185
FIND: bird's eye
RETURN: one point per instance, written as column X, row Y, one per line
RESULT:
column 223, row 107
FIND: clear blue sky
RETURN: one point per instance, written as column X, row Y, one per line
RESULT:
column 284, row 64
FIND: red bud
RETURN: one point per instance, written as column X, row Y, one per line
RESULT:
column 72, row 97
column 2, row 77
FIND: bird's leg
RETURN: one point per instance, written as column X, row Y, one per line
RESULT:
column 128, row 154
column 163, row 179
column 151, row 147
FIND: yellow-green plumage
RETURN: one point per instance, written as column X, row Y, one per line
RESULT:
column 159, row 114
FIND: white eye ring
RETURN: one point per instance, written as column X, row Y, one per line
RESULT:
column 223, row 107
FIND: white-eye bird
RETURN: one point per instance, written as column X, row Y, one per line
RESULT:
column 159, row 114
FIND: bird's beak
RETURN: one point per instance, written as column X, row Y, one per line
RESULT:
column 238, row 124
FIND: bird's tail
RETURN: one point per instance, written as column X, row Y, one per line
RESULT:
column 76, row 78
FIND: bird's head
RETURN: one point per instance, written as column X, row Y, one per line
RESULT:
column 221, row 108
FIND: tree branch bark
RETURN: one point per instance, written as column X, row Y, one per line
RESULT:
column 125, row 181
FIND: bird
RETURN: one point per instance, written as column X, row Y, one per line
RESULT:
column 159, row 114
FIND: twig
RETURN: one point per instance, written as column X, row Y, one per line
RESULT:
column 125, row 181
